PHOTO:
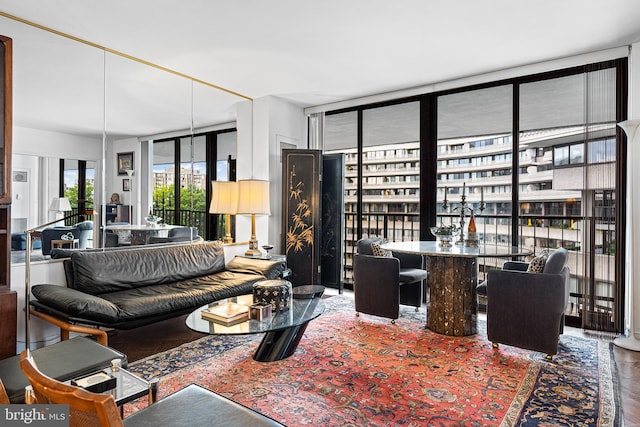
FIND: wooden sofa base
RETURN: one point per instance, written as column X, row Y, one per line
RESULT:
column 65, row 328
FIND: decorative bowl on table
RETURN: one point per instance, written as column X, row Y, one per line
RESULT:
column 444, row 234
column 153, row 220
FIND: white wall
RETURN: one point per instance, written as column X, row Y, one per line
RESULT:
column 54, row 144
column 114, row 181
column 263, row 125
column 633, row 208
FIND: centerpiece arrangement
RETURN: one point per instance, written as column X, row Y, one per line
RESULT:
column 153, row 220
column 444, row 234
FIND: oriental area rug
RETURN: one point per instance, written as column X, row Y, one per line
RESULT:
column 365, row 371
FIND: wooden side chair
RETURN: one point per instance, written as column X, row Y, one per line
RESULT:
column 190, row 406
column 4, row 398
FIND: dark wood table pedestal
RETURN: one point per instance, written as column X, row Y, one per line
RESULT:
column 452, row 285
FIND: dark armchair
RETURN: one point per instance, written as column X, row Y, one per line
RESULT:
column 526, row 309
column 382, row 283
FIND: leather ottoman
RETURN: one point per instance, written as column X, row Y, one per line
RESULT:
column 276, row 292
column 63, row 361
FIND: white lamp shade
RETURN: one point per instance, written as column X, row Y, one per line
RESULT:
column 60, row 204
column 224, row 197
column 253, row 197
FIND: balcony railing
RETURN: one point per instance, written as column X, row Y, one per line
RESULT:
column 592, row 271
column 188, row 218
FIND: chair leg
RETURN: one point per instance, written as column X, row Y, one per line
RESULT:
column 417, row 309
column 548, row 357
column 357, row 314
column 393, row 321
column 494, row 344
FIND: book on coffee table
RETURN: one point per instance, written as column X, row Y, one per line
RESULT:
column 226, row 314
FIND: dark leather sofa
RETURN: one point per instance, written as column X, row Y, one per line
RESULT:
column 127, row 288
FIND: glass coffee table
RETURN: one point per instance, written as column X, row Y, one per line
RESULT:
column 282, row 331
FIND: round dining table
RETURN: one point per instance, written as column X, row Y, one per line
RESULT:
column 453, row 276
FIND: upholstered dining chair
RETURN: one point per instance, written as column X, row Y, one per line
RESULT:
column 526, row 308
column 190, row 406
column 384, row 281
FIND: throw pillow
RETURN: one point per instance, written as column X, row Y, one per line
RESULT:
column 537, row 264
column 378, row 251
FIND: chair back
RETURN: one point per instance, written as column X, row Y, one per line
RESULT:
column 364, row 245
column 85, row 408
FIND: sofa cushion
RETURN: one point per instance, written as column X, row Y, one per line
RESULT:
column 97, row 272
column 268, row 268
column 556, row 261
column 537, row 264
column 411, row 275
column 377, row 250
column 76, row 303
column 150, row 301
column 138, row 303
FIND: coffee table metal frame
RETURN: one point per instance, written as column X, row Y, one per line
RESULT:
column 282, row 331
column 129, row 387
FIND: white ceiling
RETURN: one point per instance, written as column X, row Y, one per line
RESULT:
column 310, row 53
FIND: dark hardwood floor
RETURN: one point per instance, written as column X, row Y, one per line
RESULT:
column 148, row 340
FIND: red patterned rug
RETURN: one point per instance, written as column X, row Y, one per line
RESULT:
column 350, row 371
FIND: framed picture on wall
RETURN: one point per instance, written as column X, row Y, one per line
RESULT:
column 126, row 184
column 125, row 162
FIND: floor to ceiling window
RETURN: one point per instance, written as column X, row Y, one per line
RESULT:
column 382, row 178
column 535, row 158
column 475, row 159
column 567, row 183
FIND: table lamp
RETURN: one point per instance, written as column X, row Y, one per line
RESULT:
column 224, row 200
column 253, row 199
column 60, row 205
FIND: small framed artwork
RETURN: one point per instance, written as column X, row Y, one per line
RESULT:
column 126, row 184
column 125, row 162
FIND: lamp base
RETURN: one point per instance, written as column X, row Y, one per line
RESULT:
column 253, row 248
column 629, row 343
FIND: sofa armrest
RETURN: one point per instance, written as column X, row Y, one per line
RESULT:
column 65, row 327
column 76, row 303
column 271, row 269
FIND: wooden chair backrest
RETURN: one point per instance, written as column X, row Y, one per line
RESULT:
column 4, row 399
column 86, row 408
